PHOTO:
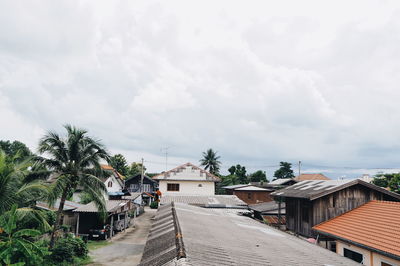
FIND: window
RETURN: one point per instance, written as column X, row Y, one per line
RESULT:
column 358, row 257
column 200, row 185
column 249, row 196
column 109, row 184
column 172, row 187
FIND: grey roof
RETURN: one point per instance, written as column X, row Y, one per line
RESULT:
column 235, row 186
column 209, row 201
column 111, row 206
column 280, row 181
column 268, row 207
column 68, row 205
column 314, row 189
column 252, row 188
column 134, row 195
column 211, row 238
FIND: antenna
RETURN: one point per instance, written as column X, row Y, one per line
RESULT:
column 165, row 151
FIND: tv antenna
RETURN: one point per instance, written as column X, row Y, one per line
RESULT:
column 164, row 150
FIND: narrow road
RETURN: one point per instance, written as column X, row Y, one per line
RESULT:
column 126, row 248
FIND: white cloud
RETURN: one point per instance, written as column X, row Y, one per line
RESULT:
column 259, row 81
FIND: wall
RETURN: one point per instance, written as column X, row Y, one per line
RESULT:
column 115, row 185
column 369, row 258
column 188, row 187
column 255, row 196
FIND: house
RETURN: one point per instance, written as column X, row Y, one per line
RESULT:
column 253, row 194
column 312, row 202
column 304, row 177
column 133, row 184
column 67, row 216
column 281, row 182
column 114, row 181
column 368, row 234
column 229, row 189
column 88, row 215
column 270, row 212
column 183, row 234
column 187, row 179
column 207, row 201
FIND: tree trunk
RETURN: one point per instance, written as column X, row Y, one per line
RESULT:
column 58, row 219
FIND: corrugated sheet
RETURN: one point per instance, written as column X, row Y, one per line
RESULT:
column 267, row 206
column 221, row 200
column 111, row 206
column 375, row 224
column 68, row 205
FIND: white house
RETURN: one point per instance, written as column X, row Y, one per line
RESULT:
column 114, row 182
column 187, row 179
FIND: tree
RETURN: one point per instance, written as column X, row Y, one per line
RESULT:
column 118, row 162
column 136, row 169
column 394, row 183
column 15, row 150
column 16, row 246
column 258, row 176
column 75, row 161
column 285, row 171
column 238, row 174
column 210, row 161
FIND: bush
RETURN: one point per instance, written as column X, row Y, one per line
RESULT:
column 66, row 249
column 154, row 205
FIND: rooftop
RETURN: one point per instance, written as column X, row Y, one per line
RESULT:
column 187, row 172
column 303, row 177
column 280, row 181
column 314, row 189
column 111, row 206
column 252, row 188
column 268, row 207
column 235, row 186
column 190, row 235
column 68, row 205
column 207, row 201
column 374, row 225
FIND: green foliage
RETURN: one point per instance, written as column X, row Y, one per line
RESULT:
column 66, row 249
column 85, row 198
column 154, row 205
column 394, row 183
column 391, row 181
column 210, row 161
column 17, row 246
column 285, row 171
column 136, row 169
column 238, row 174
column 118, row 162
column 16, row 150
column 75, row 161
column 258, row 176
column 381, row 181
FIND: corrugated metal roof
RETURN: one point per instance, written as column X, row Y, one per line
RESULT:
column 235, row 186
column 267, row 207
column 68, row 205
column 314, row 189
column 374, row 225
column 252, row 188
column 111, row 206
column 216, row 239
column 225, row 200
column 280, row 181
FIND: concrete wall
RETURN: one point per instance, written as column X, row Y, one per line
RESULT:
column 188, row 187
column 369, row 258
column 115, row 185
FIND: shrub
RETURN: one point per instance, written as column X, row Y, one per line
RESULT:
column 154, row 205
column 66, row 249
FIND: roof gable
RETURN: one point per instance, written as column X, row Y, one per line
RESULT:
column 304, row 177
column 314, row 189
column 372, row 226
column 187, row 172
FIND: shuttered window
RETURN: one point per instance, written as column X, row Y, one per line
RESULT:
column 172, row 187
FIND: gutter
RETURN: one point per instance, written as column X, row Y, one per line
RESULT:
column 180, row 248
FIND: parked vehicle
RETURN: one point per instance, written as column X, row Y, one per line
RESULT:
column 100, row 234
column 120, row 224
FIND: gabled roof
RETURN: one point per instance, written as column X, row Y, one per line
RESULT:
column 281, row 181
column 138, row 177
column 252, row 188
column 235, row 186
column 119, row 177
column 168, row 175
column 68, row 205
column 303, row 177
column 374, row 226
column 314, row 189
column 111, row 206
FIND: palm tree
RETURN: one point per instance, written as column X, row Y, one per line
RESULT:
column 15, row 190
column 16, row 245
column 74, row 162
column 210, row 161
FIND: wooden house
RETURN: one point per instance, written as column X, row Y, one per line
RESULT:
column 133, row 184
column 309, row 203
column 253, row 194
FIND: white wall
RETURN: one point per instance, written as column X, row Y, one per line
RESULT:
column 370, row 258
column 116, row 187
column 188, row 187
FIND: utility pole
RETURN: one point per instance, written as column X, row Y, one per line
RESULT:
column 166, row 157
column 141, row 177
column 299, row 167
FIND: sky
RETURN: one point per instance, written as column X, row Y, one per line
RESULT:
column 258, row 81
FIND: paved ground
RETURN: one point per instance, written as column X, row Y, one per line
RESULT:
column 127, row 248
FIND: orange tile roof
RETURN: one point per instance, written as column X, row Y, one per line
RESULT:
column 303, row 177
column 106, row 167
column 374, row 225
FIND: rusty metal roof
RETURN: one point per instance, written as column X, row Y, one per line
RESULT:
column 303, row 177
column 374, row 225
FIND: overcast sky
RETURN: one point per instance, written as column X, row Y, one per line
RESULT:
column 258, row 81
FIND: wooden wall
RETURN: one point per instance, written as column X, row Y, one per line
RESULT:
column 252, row 197
column 303, row 214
